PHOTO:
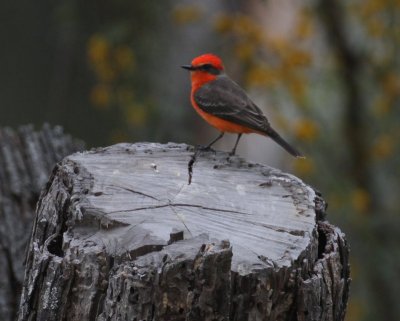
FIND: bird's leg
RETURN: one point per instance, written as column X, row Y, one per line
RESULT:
column 208, row 147
column 221, row 134
column 237, row 142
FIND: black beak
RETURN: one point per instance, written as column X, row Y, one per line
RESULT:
column 188, row 67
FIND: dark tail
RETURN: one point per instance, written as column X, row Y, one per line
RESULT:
column 278, row 139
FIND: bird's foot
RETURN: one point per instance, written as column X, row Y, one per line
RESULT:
column 204, row 148
column 232, row 152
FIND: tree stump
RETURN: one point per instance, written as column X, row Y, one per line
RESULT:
column 26, row 160
column 121, row 235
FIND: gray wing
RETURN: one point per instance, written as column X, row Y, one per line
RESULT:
column 225, row 99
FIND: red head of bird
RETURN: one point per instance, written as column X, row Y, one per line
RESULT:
column 204, row 68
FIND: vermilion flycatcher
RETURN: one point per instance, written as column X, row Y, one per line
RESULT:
column 226, row 106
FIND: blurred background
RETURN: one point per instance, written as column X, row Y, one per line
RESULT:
column 326, row 73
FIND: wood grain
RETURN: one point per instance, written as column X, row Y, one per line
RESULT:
column 121, row 235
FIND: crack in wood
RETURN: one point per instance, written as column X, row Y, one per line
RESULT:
column 209, row 208
column 137, row 192
column 176, row 213
column 178, row 205
column 173, row 205
column 192, row 160
column 282, row 229
column 138, row 209
column 197, row 151
column 181, row 220
column 275, row 228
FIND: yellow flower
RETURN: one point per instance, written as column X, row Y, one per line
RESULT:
column 245, row 27
column 372, row 7
column 383, row 147
column 375, row 27
column 360, row 200
column 261, row 76
column 306, row 130
column 297, row 88
column 278, row 45
column 136, row 115
column 98, row 49
column 223, row 24
column 297, row 58
column 391, row 84
column 186, row 14
column 305, row 26
column 304, row 166
column 124, row 57
column 244, row 51
column 100, row 96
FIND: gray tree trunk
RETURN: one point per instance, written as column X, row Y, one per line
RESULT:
column 26, row 160
column 121, row 235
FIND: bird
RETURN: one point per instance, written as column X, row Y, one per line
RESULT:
column 225, row 105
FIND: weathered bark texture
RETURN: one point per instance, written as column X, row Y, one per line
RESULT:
column 26, row 160
column 120, row 235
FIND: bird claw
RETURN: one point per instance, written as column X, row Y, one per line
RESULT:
column 232, row 153
column 204, row 148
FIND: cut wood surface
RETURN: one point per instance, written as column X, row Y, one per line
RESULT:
column 121, row 235
column 27, row 157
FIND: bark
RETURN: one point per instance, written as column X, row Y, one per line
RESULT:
column 26, row 159
column 121, row 235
